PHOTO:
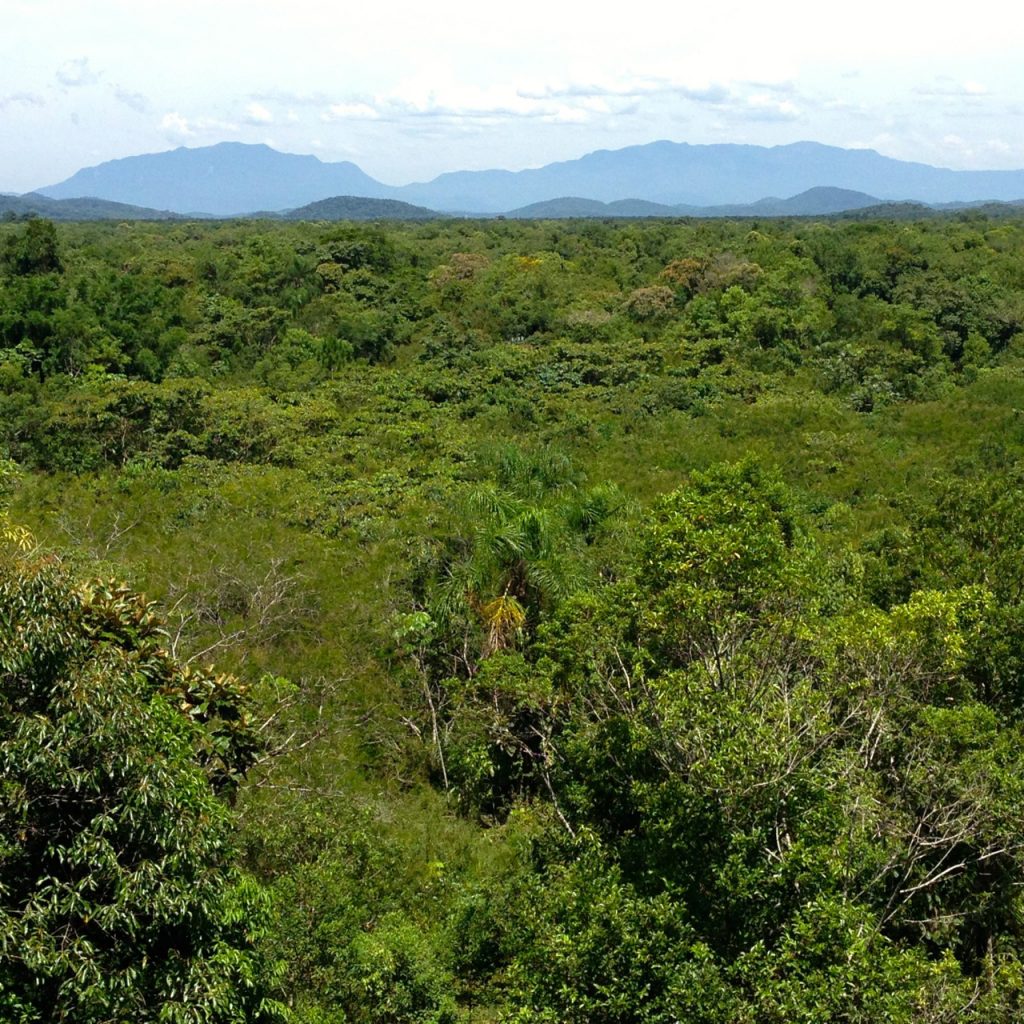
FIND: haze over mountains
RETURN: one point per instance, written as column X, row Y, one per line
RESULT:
column 233, row 178
column 222, row 180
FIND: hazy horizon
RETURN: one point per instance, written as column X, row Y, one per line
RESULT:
column 409, row 181
column 409, row 93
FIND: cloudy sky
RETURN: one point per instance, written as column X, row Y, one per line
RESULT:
column 408, row 90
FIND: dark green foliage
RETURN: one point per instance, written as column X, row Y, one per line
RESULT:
column 758, row 796
column 359, row 914
column 33, row 250
column 118, row 901
column 360, row 208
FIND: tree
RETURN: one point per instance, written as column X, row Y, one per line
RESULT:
column 34, row 250
column 118, row 898
column 760, row 801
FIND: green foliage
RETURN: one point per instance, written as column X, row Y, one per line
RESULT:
column 637, row 606
column 33, row 250
column 717, row 553
column 118, row 900
column 762, row 790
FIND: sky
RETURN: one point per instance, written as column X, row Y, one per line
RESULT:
column 409, row 90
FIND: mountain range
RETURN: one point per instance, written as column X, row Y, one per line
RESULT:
column 657, row 179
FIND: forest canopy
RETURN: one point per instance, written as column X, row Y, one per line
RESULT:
column 571, row 622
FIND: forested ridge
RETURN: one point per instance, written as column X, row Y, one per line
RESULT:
column 572, row 622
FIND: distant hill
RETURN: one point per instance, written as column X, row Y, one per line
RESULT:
column 815, row 202
column 77, row 209
column 228, row 179
column 982, row 204
column 573, row 206
column 916, row 211
column 359, row 208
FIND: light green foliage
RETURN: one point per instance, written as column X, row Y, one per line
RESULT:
column 12, row 535
column 714, row 561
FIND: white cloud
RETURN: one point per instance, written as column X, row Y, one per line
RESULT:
column 256, row 113
column 567, row 115
column 631, row 86
column 286, row 97
column 26, row 99
column 175, row 124
column 134, row 100
column 350, row 112
column 975, row 151
column 844, row 106
column 76, row 73
column 763, row 107
column 880, row 143
column 436, row 92
column 438, row 95
column 946, row 87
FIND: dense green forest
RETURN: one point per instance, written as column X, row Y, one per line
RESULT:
column 585, row 622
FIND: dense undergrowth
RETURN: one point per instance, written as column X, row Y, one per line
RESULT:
column 631, row 611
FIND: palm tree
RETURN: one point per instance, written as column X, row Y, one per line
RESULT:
column 522, row 547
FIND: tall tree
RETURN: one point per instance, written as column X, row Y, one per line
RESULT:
column 118, row 898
